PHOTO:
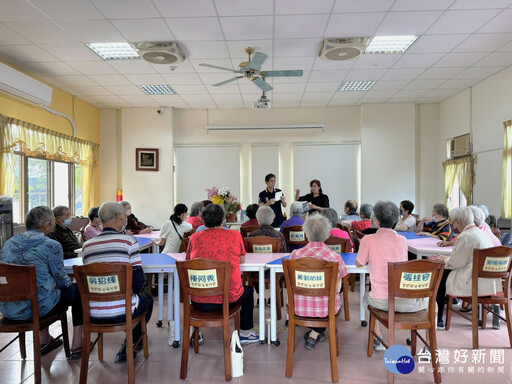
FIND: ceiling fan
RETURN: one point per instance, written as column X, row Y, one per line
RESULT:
column 251, row 70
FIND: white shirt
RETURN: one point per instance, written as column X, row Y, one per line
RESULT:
column 410, row 221
column 172, row 239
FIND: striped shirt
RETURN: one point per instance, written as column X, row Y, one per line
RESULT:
column 112, row 247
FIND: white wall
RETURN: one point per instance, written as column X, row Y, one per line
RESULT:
column 110, row 179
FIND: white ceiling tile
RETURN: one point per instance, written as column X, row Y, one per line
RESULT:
column 137, row 98
column 369, row 61
column 421, row 5
column 197, row 98
column 184, row 67
column 226, row 88
column 411, row 99
column 230, row 105
column 506, row 47
column 92, row 91
column 27, row 53
column 77, row 81
column 8, row 37
column 192, row 89
column 123, row 90
column 455, row 84
column 500, row 23
column 244, row 8
column 411, row 93
column 379, row 94
column 353, row 24
column 131, row 66
column 461, row 21
column 418, row 60
column 143, row 79
column 479, row 4
column 107, row 80
column 327, row 76
column 167, row 98
column 318, row 95
column 226, row 63
column 460, row 59
column 284, row 104
column 430, row 100
column 41, row 32
column 322, row 87
column 424, row 84
column 350, row 6
column 93, row 31
column 296, row 47
column 227, row 97
column 442, row 93
column 189, row 8
column 71, row 52
column 73, row 9
column 314, row 103
column 202, row 105
column 478, row 72
column 186, row 78
column 107, row 99
column 205, row 49
column 341, row 102
column 287, row 80
column 293, row 87
column 496, row 59
column 284, row 63
column 19, row 11
column 407, row 23
column 287, row 96
column 302, row 6
column 251, row 97
column 324, row 65
column 93, row 67
column 247, row 86
column 54, row 68
column 390, row 84
column 353, row 95
column 371, row 100
column 364, row 74
column 484, row 42
column 247, row 27
column 197, row 28
column 402, row 74
column 440, row 73
column 126, row 9
column 236, row 47
column 144, row 30
column 145, row 105
column 436, row 43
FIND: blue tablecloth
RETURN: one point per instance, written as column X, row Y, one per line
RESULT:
column 348, row 259
column 410, row 235
column 143, row 240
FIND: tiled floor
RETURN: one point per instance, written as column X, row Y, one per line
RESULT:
column 266, row 363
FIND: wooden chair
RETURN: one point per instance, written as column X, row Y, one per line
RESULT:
column 218, row 274
column 340, row 245
column 118, row 276
column 244, row 231
column 327, row 271
column 295, row 236
column 489, row 263
column 410, row 280
column 19, row 283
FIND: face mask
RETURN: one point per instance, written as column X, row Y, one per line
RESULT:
column 128, row 212
column 67, row 222
column 124, row 227
column 435, row 220
column 401, row 212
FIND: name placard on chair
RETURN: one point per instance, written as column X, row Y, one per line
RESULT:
column 103, row 284
column 309, row 279
column 3, row 280
column 262, row 248
column 296, row 236
column 335, row 247
column 496, row 264
column 206, row 278
column 415, row 280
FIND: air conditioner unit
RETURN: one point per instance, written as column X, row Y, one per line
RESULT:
column 17, row 84
column 164, row 52
column 343, row 49
column 459, row 146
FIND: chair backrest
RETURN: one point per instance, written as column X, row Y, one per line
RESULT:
column 492, row 263
column 17, row 283
column 359, row 234
column 244, row 231
column 338, row 244
column 308, row 276
column 104, row 282
column 262, row 244
column 294, row 235
column 184, row 244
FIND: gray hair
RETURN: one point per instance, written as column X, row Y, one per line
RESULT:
column 196, row 208
column 38, row 216
column 109, row 210
column 484, row 209
column 366, row 210
column 317, row 228
column 478, row 215
column 463, row 214
column 265, row 215
column 295, row 208
column 59, row 210
column 124, row 204
column 386, row 213
column 331, row 215
column 441, row 209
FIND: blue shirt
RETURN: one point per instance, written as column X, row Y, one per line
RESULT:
column 294, row 220
column 34, row 248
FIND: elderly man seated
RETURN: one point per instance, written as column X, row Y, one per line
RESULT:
column 265, row 216
column 134, row 226
column 62, row 233
column 295, row 219
column 317, row 229
column 350, row 212
column 112, row 246
column 94, row 227
column 365, row 213
column 55, row 290
column 458, row 273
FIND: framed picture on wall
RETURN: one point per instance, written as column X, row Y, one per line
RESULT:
column 146, row 159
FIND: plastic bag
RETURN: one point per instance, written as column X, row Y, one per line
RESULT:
column 237, row 356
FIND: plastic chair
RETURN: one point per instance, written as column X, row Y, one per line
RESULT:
column 328, row 272
column 244, row 231
column 410, row 280
column 118, row 278
column 294, row 237
column 216, row 276
column 489, row 263
column 19, row 283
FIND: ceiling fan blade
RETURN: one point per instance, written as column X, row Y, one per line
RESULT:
column 221, row 68
column 262, row 84
column 257, row 60
column 290, row 73
column 227, row 81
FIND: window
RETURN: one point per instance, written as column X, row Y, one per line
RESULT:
column 40, row 181
column 457, row 198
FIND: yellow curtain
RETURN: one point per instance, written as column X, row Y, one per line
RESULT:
column 33, row 140
column 506, row 175
column 450, row 172
column 466, row 178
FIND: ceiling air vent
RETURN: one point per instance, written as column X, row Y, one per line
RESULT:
column 165, row 52
column 343, row 49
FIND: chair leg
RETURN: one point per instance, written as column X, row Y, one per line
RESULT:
column 23, row 346
column 345, row 299
column 144, row 336
column 352, row 282
column 291, row 347
column 227, row 352
column 474, row 325
column 65, row 334
column 100, row 347
column 129, row 356
column 371, row 329
column 484, row 316
column 84, row 366
column 508, row 320
column 333, row 354
column 237, row 322
column 185, row 348
column 196, row 340
column 449, row 313
column 414, row 340
column 37, row 356
column 278, row 301
column 433, row 350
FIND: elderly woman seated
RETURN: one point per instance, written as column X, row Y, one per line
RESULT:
column 251, row 214
column 365, row 213
column 295, row 219
column 317, row 229
column 407, row 222
column 265, row 216
column 436, row 226
column 457, row 277
column 383, row 247
column 331, row 215
column 216, row 243
column 194, row 217
column 94, row 228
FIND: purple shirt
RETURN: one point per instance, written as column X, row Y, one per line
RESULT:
column 294, row 220
column 90, row 232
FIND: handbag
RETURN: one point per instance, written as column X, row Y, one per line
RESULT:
column 237, row 355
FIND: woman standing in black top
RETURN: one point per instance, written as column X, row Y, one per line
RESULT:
column 316, row 197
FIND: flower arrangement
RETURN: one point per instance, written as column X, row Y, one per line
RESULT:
column 224, row 197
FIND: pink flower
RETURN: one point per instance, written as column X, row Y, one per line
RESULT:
column 212, row 192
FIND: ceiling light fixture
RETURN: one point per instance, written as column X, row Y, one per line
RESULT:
column 362, row 85
column 390, row 44
column 157, row 89
column 114, row 51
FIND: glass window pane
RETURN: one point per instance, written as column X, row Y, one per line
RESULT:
column 78, row 191
column 61, row 183
column 16, row 201
column 37, row 182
